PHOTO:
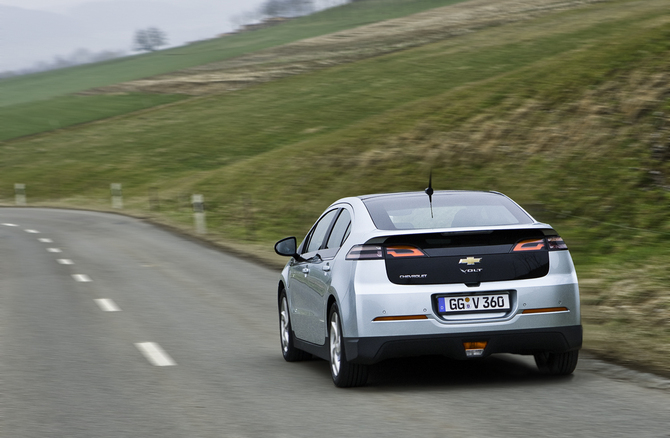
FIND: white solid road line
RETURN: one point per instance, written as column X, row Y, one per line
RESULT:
column 54, row 250
column 81, row 278
column 155, row 354
column 45, row 240
column 65, row 262
column 107, row 305
column 32, row 231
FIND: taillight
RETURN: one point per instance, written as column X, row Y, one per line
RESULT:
column 373, row 252
column 529, row 245
column 553, row 243
column 399, row 251
column 365, row 252
column 556, row 243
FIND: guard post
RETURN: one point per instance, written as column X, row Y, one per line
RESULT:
column 117, row 195
column 199, row 214
column 20, row 194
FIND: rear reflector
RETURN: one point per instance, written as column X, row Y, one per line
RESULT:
column 400, row 318
column 365, row 252
column 546, row 310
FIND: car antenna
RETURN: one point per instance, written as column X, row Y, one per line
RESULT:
column 429, row 191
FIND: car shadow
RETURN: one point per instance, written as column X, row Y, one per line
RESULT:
column 440, row 372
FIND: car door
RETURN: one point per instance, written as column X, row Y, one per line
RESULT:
column 321, row 269
column 302, row 290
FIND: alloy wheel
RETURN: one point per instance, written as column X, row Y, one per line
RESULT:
column 335, row 344
column 284, row 325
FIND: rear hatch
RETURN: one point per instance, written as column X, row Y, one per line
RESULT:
column 483, row 237
column 468, row 257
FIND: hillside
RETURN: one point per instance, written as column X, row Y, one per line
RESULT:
column 343, row 47
column 563, row 109
column 23, row 98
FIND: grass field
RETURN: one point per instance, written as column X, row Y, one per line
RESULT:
column 59, row 112
column 49, row 84
column 561, row 112
column 23, row 97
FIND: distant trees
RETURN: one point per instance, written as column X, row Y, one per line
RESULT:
column 286, row 8
column 149, row 39
column 78, row 57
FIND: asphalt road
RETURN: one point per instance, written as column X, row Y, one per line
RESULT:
column 111, row 327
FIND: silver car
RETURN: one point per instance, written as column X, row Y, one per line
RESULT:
column 463, row 274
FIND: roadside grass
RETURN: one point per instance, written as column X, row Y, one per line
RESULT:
column 561, row 113
column 626, row 308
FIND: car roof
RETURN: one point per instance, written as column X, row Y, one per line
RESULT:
column 423, row 193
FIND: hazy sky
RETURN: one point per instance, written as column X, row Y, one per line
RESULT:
column 39, row 30
column 63, row 5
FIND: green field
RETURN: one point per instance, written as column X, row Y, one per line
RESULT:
column 49, row 84
column 23, row 97
column 60, row 112
column 561, row 112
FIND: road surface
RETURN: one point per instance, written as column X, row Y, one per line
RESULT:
column 111, row 327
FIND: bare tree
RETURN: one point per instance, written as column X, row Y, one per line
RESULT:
column 149, row 39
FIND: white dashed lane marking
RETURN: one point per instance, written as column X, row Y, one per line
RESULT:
column 155, row 354
column 107, row 305
column 150, row 350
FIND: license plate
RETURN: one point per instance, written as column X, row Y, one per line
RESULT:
column 473, row 303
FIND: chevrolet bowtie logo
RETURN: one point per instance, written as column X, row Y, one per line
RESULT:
column 469, row 261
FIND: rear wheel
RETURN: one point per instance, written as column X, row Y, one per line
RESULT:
column 344, row 373
column 290, row 353
column 557, row 364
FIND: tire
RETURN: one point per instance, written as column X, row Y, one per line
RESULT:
column 557, row 364
column 290, row 353
column 344, row 373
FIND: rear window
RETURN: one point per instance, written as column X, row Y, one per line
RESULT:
column 412, row 211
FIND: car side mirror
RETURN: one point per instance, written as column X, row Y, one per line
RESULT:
column 287, row 247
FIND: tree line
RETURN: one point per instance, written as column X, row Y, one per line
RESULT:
column 78, row 57
column 287, row 9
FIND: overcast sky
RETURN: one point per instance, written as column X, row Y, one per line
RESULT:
column 38, row 30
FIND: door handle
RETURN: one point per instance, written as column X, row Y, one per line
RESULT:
column 305, row 270
column 326, row 267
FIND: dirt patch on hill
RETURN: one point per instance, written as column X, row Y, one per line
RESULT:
column 342, row 47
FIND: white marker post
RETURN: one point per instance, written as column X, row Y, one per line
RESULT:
column 20, row 193
column 117, row 195
column 199, row 214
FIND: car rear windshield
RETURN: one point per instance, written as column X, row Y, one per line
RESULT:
column 413, row 211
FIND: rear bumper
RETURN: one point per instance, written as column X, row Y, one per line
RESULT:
column 369, row 350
